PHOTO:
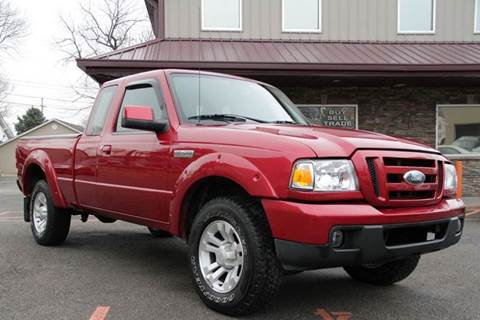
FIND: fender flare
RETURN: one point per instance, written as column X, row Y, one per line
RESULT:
column 41, row 159
column 224, row 165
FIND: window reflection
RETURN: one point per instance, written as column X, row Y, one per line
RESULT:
column 458, row 129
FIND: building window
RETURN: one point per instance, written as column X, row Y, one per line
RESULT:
column 302, row 15
column 222, row 15
column 416, row 16
column 477, row 16
column 458, row 129
column 343, row 116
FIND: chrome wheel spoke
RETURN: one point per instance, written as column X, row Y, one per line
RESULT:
column 208, row 247
column 212, row 277
column 209, row 269
column 213, row 239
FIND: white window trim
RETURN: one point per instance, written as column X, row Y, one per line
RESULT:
column 476, row 23
column 300, row 106
column 320, row 20
column 416, row 31
column 239, row 29
column 449, row 106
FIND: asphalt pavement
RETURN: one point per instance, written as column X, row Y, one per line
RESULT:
column 130, row 275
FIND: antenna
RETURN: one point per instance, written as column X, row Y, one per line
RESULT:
column 199, row 61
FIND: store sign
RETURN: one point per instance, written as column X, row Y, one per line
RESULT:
column 329, row 115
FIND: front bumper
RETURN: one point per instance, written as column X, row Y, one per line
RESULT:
column 302, row 231
column 372, row 244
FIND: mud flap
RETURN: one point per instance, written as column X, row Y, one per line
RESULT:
column 26, row 209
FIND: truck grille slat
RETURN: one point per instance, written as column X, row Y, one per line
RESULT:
column 373, row 175
column 399, row 162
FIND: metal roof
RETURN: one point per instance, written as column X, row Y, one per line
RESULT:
column 307, row 56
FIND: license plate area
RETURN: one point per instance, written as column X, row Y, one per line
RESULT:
column 405, row 235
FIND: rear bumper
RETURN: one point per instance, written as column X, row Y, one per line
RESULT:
column 302, row 231
column 370, row 244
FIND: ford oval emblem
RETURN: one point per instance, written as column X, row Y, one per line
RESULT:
column 414, row 177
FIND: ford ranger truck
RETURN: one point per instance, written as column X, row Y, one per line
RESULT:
column 233, row 167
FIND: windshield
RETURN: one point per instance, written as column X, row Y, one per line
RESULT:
column 224, row 99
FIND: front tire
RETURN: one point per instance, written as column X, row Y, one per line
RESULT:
column 232, row 257
column 385, row 274
column 50, row 225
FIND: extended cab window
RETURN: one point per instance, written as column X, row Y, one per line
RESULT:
column 142, row 95
column 100, row 111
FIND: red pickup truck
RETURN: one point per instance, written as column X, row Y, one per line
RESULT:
column 233, row 167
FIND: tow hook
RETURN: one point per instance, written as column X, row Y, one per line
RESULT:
column 84, row 217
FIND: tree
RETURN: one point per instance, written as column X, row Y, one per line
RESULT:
column 12, row 27
column 3, row 94
column 106, row 26
column 32, row 118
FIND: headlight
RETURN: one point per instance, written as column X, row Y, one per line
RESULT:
column 450, row 184
column 324, row 175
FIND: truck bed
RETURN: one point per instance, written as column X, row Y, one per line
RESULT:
column 58, row 149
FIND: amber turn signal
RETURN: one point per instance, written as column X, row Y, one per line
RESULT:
column 302, row 177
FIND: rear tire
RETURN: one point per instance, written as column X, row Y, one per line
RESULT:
column 50, row 225
column 157, row 233
column 385, row 274
column 232, row 258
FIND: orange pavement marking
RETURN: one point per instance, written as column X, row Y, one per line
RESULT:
column 325, row 315
column 100, row 313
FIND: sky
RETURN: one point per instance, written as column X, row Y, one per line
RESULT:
column 37, row 68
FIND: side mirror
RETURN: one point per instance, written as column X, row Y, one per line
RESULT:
column 141, row 118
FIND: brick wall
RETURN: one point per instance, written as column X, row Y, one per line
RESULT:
column 406, row 112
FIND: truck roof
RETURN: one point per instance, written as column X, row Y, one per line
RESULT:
column 155, row 73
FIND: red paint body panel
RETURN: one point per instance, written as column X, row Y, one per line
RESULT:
column 135, row 176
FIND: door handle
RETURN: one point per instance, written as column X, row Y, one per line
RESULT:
column 106, row 149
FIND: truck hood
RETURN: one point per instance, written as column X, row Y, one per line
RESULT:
column 328, row 142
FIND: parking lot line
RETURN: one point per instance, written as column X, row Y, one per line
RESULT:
column 9, row 212
column 473, row 212
column 100, row 313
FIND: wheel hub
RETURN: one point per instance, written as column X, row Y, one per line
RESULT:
column 227, row 256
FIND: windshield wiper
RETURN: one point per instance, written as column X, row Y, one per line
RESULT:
column 283, row 122
column 224, row 117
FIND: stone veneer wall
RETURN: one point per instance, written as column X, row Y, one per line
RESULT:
column 408, row 112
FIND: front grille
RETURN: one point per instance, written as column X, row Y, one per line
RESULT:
column 387, row 185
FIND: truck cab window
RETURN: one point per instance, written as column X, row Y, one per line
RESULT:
column 100, row 111
column 141, row 95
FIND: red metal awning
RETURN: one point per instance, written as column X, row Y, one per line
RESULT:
column 307, row 58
